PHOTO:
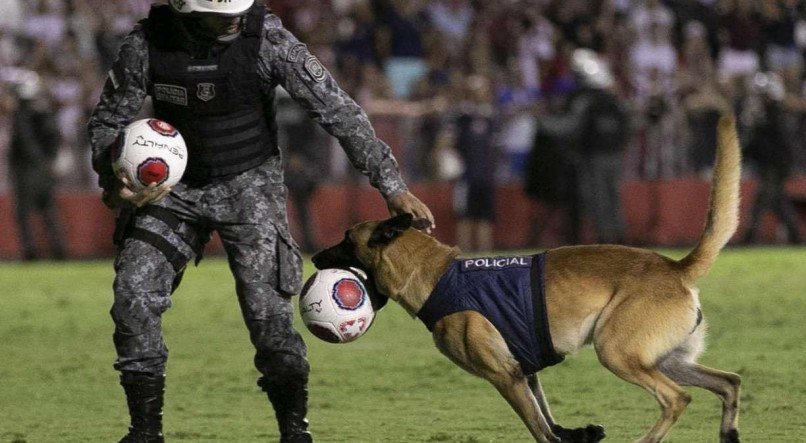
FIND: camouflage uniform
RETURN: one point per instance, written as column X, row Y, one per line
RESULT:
column 248, row 210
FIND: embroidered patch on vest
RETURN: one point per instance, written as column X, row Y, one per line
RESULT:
column 472, row 264
column 205, row 91
column 315, row 69
column 171, row 94
column 296, row 52
column 203, row 68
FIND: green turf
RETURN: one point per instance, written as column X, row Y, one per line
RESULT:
column 57, row 382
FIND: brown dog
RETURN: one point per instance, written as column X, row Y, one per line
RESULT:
column 640, row 310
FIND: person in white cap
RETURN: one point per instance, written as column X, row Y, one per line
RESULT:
column 597, row 129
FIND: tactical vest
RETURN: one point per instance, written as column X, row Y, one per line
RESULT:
column 211, row 95
column 507, row 291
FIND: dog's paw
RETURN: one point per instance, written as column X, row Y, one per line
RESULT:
column 566, row 435
column 588, row 434
column 595, row 433
column 731, row 436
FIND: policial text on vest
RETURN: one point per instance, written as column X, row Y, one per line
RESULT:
column 495, row 263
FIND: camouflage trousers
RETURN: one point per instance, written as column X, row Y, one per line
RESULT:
column 248, row 212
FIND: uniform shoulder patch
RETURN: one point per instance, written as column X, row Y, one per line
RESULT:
column 315, row 69
column 297, row 53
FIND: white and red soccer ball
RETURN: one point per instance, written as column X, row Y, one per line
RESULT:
column 149, row 151
column 335, row 306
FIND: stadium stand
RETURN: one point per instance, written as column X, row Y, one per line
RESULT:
column 675, row 62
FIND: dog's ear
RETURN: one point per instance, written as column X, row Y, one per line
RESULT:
column 390, row 229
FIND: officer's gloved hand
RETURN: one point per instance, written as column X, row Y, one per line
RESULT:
column 122, row 193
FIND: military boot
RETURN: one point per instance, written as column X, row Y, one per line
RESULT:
column 290, row 402
column 144, row 395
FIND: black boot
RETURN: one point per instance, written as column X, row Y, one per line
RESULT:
column 144, row 394
column 290, row 402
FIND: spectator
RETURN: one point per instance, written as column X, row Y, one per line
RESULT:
column 771, row 151
column 795, row 111
column 452, row 19
column 34, row 143
column 10, row 17
column 649, row 15
column 654, row 60
column 515, row 102
column 358, row 39
column 617, row 50
column 111, row 28
column 597, row 127
column 304, row 161
column 552, row 176
column 504, row 27
column 535, row 46
column 474, row 198
column 702, row 12
column 703, row 107
column 401, row 29
column 703, row 100
column 658, row 115
column 781, row 18
column 48, row 24
column 401, row 46
column 696, row 65
column 552, row 180
column 435, row 85
column 574, row 20
column 741, row 32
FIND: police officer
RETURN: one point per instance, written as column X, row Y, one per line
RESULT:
column 34, row 144
column 770, row 149
column 211, row 68
column 597, row 127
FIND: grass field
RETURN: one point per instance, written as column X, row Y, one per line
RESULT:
column 57, row 382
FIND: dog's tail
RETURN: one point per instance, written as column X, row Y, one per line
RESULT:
column 723, row 210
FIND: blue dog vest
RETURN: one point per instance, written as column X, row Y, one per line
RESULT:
column 509, row 292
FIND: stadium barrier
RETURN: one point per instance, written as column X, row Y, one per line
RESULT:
column 669, row 213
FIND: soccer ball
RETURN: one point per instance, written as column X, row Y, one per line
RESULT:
column 335, row 306
column 149, row 151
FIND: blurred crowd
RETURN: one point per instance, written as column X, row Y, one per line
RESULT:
column 70, row 44
column 676, row 63
column 500, row 64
